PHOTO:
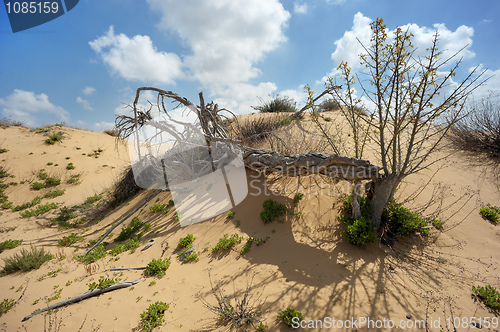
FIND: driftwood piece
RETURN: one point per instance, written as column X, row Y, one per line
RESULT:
column 310, row 163
column 84, row 296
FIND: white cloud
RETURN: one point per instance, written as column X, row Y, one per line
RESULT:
column 85, row 104
column 336, row 2
column 240, row 97
column 348, row 47
column 300, row 8
column 103, row 125
column 26, row 106
column 136, row 58
column 88, row 90
column 492, row 85
column 227, row 37
column 299, row 95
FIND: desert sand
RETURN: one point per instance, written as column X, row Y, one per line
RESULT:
column 305, row 264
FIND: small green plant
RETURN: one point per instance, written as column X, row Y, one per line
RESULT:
column 68, row 158
column 186, row 241
column 40, row 209
column 130, row 231
column 297, row 198
column 359, row 232
column 50, row 163
column 230, row 215
column 51, row 182
column 488, row 295
column 6, row 305
column 97, row 253
column 74, row 180
column 70, row 166
column 37, row 185
column 157, row 267
column 401, row 220
column 26, row 260
column 327, row 119
column 287, row 316
column 131, row 244
column 54, row 193
column 102, row 283
column 192, row 257
column 272, row 210
column 53, row 139
column 3, row 150
column 66, row 241
column 158, row 207
column 9, row 244
column 154, row 315
column 491, row 213
column 93, row 199
column 227, row 242
column 261, row 328
column 250, row 241
column 27, row 205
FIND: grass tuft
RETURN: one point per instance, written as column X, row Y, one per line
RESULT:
column 26, row 260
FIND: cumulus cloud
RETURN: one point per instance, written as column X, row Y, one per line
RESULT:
column 336, row 2
column 227, row 37
column 136, row 58
column 26, row 106
column 300, row 8
column 85, row 104
column 348, row 47
column 240, row 97
column 88, row 90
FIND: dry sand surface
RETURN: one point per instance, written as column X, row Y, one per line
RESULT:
column 305, row 264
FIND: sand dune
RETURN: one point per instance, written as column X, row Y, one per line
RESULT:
column 305, row 264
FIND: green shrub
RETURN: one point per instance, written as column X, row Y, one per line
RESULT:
column 276, row 105
column 157, row 267
column 26, row 260
column 93, row 199
column 54, row 193
column 50, row 182
column 154, row 316
column 70, row 166
column 186, row 241
column 250, row 241
column 37, row 185
column 158, row 207
column 129, row 245
column 3, row 150
column 491, row 213
column 359, row 232
column 65, row 214
column 130, row 231
column 401, row 220
column 488, row 295
column 9, row 244
column 230, row 215
column 66, row 241
column 288, row 315
column 27, row 205
column 103, row 283
column 53, row 139
column 227, row 242
column 192, row 257
column 40, row 209
column 97, row 253
column 327, row 119
column 272, row 210
column 6, row 305
column 297, row 198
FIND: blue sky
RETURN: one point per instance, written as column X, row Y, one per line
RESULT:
column 82, row 67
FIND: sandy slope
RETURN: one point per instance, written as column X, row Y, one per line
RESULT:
column 304, row 265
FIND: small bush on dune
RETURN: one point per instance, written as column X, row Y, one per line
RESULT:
column 272, row 210
column 154, row 316
column 96, row 254
column 288, row 315
column 227, row 242
column 129, row 245
column 69, row 240
column 186, row 241
column 53, row 139
column 6, row 305
column 492, row 213
column 9, row 244
column 157, row 267
column 489, row 295
column 26, row 260
column 130, row 231
column 277, row 104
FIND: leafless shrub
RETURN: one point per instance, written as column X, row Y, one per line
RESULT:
column 112, row 132
column 479, row 133
column 238, row 309
column 256, row 128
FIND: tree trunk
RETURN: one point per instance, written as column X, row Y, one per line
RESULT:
column 355, row 197
column 383, row 191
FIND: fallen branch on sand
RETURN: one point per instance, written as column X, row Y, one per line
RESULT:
column 84, row 296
